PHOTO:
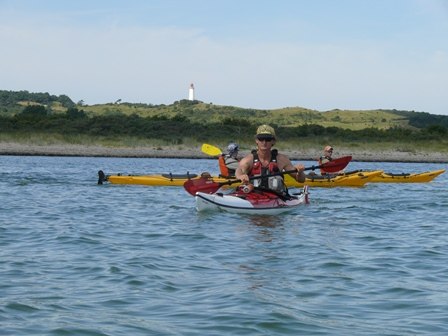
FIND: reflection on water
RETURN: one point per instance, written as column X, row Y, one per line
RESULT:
column 265, row 221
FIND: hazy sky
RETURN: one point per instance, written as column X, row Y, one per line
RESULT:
column 318, row 54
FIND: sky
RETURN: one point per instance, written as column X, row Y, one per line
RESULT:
column 261, row 54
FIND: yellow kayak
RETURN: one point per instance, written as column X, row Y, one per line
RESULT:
column 163, row 180
column 350, row 179
column 408, row 178
column 354, row 179
column 176, row 180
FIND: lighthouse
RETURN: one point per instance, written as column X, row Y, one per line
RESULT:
column 191, row 92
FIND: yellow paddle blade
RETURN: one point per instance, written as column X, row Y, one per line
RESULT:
column 211, row 150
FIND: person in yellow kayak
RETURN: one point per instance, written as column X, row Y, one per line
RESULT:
column 265, row 161
column 228, row 163
column 325, row 158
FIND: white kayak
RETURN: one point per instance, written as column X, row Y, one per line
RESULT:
column 255, row 202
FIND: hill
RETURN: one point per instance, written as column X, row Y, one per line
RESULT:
column 197, row 111
column 43, row 119
column 13, row 102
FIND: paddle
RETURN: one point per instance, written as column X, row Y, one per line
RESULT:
column 208, row 186
column 211, row 150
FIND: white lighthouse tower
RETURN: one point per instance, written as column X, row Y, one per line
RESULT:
column 191, row 92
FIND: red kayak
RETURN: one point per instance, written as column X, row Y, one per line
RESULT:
column 254, row 202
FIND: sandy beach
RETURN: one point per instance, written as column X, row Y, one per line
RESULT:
column 10, row 148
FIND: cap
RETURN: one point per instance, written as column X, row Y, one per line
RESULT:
column 232, row 147
column 265, row 130
column 328, row 148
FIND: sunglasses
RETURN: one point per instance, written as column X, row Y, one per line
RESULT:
column 265, row 138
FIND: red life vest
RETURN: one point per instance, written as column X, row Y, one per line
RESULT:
column 222, row 166
column 226, row 165
column 259, row 170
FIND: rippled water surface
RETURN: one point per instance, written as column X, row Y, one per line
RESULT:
column 77, row 258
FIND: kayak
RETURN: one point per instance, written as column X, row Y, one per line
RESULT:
column 165, row 180
column 350, row 179
column 259, row 202
column 357, row 179
column 408, row 177
column 169, row 179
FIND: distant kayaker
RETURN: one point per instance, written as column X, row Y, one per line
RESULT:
column 265, row 160
column 228, row 163
column 328, row 152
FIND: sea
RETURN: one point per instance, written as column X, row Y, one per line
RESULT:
column 78, row 258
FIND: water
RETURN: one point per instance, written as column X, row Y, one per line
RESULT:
column 81, row 259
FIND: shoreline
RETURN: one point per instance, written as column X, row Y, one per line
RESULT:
column 20, row 149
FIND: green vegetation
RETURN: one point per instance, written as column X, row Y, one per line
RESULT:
column 13, row 102
column 24, row 114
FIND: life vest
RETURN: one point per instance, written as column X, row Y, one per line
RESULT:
column 227, row 165
column 259, row 170
column 222, row 166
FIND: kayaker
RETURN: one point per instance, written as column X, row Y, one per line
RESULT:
column 265, row 160
column 328, row 152
column 228, row 163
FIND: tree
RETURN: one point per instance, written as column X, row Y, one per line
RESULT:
column 65, row 101
column 35, row 111
column 74, row 113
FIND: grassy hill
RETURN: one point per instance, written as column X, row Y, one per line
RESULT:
column 41, row 118
column 13, row 102
column 288, row 117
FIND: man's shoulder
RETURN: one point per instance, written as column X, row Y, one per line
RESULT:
column 282, row 156
column 283, row 160
column 248, row 157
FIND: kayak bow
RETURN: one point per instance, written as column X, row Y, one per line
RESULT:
column 350, row 179
column 408, row 178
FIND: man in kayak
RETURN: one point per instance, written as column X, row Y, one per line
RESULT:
column 228, row 163
column 328, row 152
column 327, row 157
column 265, row 161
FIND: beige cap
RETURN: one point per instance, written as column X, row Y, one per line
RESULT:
column 328, row 148
column 265, row 130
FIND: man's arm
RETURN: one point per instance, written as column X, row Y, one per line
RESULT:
column 244, row 167
column 285, row 164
